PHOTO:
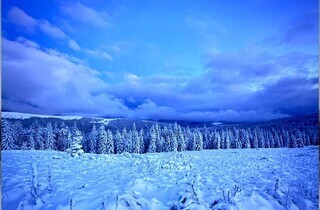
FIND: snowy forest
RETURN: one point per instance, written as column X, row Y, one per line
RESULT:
column 157, row 138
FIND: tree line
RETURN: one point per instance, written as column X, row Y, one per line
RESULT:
column 169, row 138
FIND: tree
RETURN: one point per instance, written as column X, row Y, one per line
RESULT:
column 255, row 139
column 49, row 137
column 118, row 139
column 102, row 140
column 63, row 137
column 109, row 143
column 246, row 139
column 93, row 139
column 182, row 146
column 135, row 140
column 217, row 140
column 299, row 139
column 152, row 144
column 7, row 142
column 75, row 149
column 293, row 143
column 197, row 140
column 128, row 141
column 141, row 139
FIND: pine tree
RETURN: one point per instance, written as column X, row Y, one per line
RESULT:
column 217, row 140
column 197, row 140
column 128, row 141
column 119, row 142
column 135, row 140
column 62, row 139
column 109, row 143
column 18, row 134
column 228, row 137
column 75, row 149
column 246, row 139
column 206, row 137
column 174, row 143
column 152, row 144
column 49, row 138
column 39, row 138
column 182, row 146
column 299, row 139
column 7, row 131
column 293, row 142
column 255, row 139
column 141, row 139
column 93, row 139
column 102, row 140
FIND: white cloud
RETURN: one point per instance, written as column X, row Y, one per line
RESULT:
column 73, row 45
column 86, row 14
column 20, row 18
column 99, row 54
column 38, row 78
column 51, row 30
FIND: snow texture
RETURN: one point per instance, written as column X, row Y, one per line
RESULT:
column 277, row 178
column 18, row 115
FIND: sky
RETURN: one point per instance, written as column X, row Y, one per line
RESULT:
column 207, row 60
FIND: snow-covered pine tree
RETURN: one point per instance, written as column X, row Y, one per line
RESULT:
column 188, row 136
column 141, row 139
column 93, row 139
column 206, row 137
column 197, row 140
column 223, row 139
column 261, row 139
column 299, row 139
column 293, row 141
column 75, row 149
column 165, row 141
column 39, row 137
column 152, row 144
column 128, row 142
column 102, row 140
column 217, row 140
column 135, row 139
column 7, row 132
column 182, row 146
column 109, row 143
column 118, row 139
column 228, row 137
column 49, row 137
column 246, row 139
column 19, row 134
column 236, row 139
column 173, row 142
column 63, row 136
column 255, row 139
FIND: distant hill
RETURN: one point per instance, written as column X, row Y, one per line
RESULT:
column 85, row 123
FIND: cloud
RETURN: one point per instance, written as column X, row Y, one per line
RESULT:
column 20, row 18
column 85, row 14
column 43, row 76
column 300, row 31
column 73, row 45
column 51, row 30
column 99, row 54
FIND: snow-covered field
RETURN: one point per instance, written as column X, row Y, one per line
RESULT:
column 279, row 178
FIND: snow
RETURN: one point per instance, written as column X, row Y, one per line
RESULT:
column 104, row 121
column 279, row 178
column 18, row 115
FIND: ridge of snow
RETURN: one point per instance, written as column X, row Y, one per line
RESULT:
column 19, row 115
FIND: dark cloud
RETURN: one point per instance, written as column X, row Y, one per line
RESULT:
column 236, row 86
column 302, row 30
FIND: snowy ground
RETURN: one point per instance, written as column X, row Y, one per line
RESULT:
column 218, row 179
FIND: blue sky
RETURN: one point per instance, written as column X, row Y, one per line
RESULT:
column 177, row 60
